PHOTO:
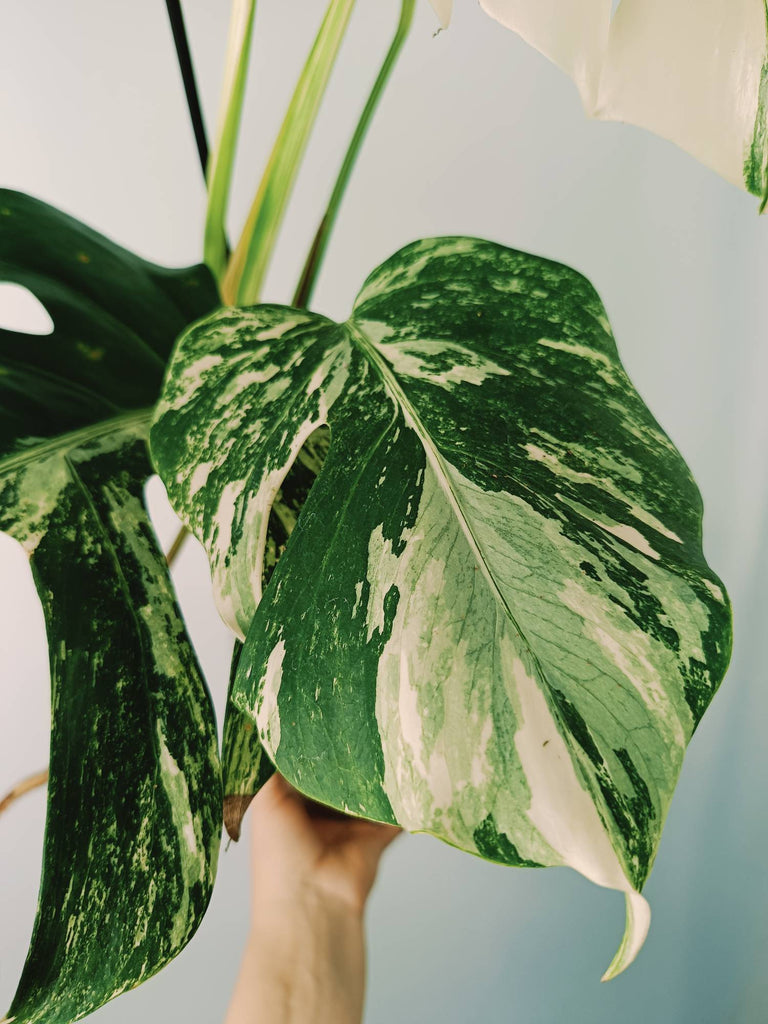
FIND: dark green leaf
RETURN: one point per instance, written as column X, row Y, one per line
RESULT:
column 134, row 803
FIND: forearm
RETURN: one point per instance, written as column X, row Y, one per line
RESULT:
column 304, row 962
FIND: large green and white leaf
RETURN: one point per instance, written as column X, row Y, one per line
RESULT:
column 693, row 71
column 493, row 621
column 134, row 802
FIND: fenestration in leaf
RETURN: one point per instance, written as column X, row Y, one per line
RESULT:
column 493, row 621
column 134, row 801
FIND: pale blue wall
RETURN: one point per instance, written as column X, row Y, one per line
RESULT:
column 477, row 135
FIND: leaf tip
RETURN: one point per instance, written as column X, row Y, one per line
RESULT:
column 444, row 11
column 235, row 806
column 635, row 932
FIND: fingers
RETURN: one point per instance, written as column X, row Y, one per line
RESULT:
column 291, row 818
column 278, row 789
column 378, row 835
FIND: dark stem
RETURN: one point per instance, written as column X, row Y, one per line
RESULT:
column 312, row 264
column 188, row 77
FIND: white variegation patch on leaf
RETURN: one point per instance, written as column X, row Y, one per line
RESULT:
column 492, row 620
column 692, row 71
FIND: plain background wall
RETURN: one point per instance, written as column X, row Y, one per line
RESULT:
column 478, row 135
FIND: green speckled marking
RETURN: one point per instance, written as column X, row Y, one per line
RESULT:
column 134, row 797
column 494, row 845
column 493, row 620
column 756, row 162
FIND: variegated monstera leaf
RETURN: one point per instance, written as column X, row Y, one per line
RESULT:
column 692, row 71
column 492, row 621
column 134, row 800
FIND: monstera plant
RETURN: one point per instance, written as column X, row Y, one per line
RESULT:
column 461, row 560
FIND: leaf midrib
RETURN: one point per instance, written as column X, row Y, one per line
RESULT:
column 75, row 439
column 391, row 383
column 438, row 463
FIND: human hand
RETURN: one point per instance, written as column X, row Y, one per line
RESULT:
column 300, row 846
column 312, row 870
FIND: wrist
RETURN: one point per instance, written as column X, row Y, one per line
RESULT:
column 322, row 889
column 306, row 907
column 307, row 950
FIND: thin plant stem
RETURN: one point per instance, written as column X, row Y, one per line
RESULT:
column 181, row 42
column 316, row 253
column 245, row 274
column 220, row 165
column 27, row 785
column 184, row 56
column 175, row 547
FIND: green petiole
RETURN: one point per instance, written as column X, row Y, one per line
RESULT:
column 245, row 274
column 316, row 253
column 219, row 171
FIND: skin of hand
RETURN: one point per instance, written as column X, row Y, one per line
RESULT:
column 312, row 871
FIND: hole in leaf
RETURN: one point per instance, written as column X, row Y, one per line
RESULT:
column 290, row 499
column 21, row 311
column 165, row 522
